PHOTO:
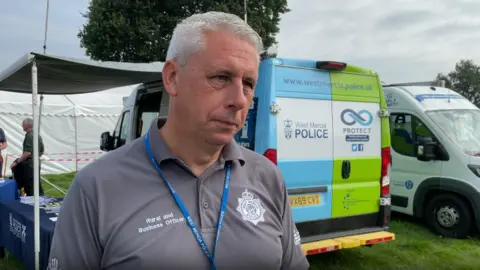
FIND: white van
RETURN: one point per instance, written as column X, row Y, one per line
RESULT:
column 435, row 138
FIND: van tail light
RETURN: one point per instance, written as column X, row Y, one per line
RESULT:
column 271, row 154
column 331, row 65
column 386, row 165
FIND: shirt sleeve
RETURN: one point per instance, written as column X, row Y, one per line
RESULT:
column 28, row 143
column 293, row 256
column 3, row 138
column 41, row 147
column 75, row 243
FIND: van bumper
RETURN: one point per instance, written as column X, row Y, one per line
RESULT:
column 350, row 241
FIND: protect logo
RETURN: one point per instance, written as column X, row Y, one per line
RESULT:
column 408, row 184
column 350, row 117
column 288, row 128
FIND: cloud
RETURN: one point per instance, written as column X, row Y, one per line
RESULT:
column 23, row 28
column 403, row 40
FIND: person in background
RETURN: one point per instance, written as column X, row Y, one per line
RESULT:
column 3, row 145
column 22, row 168
column 186, row 195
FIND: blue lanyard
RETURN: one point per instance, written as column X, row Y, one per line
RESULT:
column 190, row 222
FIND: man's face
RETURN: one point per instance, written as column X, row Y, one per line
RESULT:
column 212, row 93
column 24, row 126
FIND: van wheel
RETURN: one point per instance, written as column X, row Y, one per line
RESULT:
column 449, row 216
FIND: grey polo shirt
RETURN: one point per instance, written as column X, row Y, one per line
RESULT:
column 119, row 214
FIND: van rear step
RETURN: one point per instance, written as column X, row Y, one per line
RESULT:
column 351, row 241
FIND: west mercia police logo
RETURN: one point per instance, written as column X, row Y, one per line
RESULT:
column 251, row 209
column 53, row 265
column 296, row 236
column 288, row 128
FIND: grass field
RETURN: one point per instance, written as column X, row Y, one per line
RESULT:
column 414, row 248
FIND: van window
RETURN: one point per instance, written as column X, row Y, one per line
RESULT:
column 406, row 130
column 121, row 131
column 146, row 120
column 461, row 126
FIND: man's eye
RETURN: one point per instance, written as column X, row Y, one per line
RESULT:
column 248, row 85
column 222, row 78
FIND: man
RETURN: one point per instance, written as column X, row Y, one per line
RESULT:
column 159, row 202
column 22, row 168
column 3, row 145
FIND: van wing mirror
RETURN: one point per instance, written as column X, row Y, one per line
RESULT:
column 426, row 151
column 106, row 141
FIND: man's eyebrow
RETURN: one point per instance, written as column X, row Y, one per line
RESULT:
column 250, row 79
column 225, row 72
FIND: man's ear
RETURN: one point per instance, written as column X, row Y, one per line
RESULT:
column 170, row 77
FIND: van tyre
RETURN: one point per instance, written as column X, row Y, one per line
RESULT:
column 449, row 216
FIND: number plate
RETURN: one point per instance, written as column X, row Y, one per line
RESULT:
column 385, row 201
column 304, row 200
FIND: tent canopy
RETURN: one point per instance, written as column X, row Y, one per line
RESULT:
column 108, row 102
column 65, row 75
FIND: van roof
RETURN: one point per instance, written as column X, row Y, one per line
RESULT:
column 422, row 92
column 311, row 64
column 433, row 97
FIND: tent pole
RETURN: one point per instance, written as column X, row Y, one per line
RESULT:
column 44, row 52
column 46, row 27
column 245, row 10
column 76, row 131
column 36, row 173
column 40, row 112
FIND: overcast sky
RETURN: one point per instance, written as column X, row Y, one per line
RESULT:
column 404, row 40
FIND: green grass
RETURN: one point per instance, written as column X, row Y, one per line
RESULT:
column 414, row 248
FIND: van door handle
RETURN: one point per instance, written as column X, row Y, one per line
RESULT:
column 346, row 169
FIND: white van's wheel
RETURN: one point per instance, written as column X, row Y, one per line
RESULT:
column 449, row 216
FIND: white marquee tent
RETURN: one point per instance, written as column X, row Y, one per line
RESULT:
column 70, row 126
column 53, row 75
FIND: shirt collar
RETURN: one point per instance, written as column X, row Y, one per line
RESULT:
column 161, row 152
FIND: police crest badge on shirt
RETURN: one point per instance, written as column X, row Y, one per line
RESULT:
column 250, row 208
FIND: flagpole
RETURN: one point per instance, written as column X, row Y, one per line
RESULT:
column 245, row 10
column 36, row 156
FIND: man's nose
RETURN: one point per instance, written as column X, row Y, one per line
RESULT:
column 237, row 97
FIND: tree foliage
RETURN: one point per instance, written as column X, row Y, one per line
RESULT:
column 465, row 80
column 140, row 30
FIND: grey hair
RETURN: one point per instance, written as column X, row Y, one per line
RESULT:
column 28, row 121
column 188, row 35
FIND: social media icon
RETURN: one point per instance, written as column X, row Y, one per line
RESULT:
column 360, row 147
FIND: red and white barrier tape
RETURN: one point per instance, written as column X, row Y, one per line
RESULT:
column 78, row 153
column 70, row 159
column 62, row 154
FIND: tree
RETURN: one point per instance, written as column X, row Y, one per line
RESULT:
column 465, row 80
column 140, row 31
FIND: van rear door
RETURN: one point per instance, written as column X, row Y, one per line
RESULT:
column 357, row 149
column 329, row 146
column 305, row 142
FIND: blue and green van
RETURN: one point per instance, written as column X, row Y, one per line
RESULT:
column 325, row 125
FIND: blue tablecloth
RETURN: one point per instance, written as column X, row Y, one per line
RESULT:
column 9, row 190
column 16, row 232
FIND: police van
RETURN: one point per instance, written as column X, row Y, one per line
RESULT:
column 435, row 135
column 325, row 125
